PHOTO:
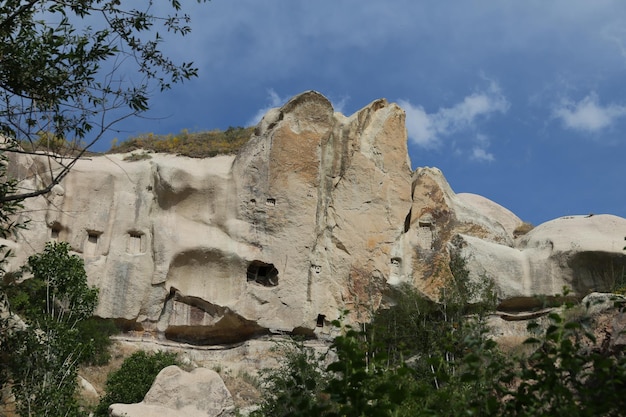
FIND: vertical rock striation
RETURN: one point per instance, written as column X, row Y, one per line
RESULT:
column 318, row 213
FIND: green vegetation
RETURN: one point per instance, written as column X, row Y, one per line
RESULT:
column 61, row 94
column 416, row 326
column 41, row 358
column 421, row 358
column 139, row 156
column 133, row 380
column 195, row 145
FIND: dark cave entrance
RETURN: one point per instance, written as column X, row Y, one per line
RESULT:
column 262, row 273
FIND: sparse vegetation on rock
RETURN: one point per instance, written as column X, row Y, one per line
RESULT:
column 522, row 229
column 60, row 85
column 196, row 145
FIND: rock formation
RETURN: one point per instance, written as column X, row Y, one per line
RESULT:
column 318, row 213
column 199, row 393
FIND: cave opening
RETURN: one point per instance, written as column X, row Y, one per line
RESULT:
column 262, row 273
column 55, row 230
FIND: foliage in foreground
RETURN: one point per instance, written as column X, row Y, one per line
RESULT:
column 567, row 374
column 132, row 381
column 423, row 361
column 42, row 358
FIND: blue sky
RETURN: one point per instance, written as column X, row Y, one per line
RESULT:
column 523, row 102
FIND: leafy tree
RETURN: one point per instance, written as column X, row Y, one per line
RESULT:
column 353, row 384
column 432, row 335
column 424, row 362
column 65, row 73
column 568, row 373
column 42, row 358
column 361, row 384
column 133, row 380
column 297, row 387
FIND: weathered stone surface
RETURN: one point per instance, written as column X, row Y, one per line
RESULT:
column 577, row 253
column 318, row 213
column 200, row 393
column 437, row 216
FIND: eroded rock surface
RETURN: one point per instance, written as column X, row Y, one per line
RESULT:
column 580, row 254
column 175, row 393
column 318, row 213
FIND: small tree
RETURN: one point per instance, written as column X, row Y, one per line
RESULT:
column 43, row 357
column 297, row 387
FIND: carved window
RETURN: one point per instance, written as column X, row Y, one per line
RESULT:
column 91, row 244
column 426, row 231
column 262, row 273
column 55, row 231
column 136, row 243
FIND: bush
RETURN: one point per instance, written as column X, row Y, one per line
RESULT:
column 140, row 156
column 522, row 229
column 130, row 383
column 97, row 332
column 354, row 384
column 297, row 387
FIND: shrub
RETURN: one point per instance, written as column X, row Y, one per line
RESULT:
column 97, row 332
column 296, row 387
column 522, row 229
column 140, row 156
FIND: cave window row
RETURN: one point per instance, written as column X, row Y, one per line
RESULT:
column 136, row 241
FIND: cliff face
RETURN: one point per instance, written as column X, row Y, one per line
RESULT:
column 316, row 214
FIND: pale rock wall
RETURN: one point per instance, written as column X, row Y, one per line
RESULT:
column 318, row 213
column 577, row 254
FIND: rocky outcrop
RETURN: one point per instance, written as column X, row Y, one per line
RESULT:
column 579, row 254
column 318, row 213
column 174, row 393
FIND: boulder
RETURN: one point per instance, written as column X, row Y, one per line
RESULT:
column 199, row 393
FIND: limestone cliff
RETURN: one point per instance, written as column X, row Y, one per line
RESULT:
column 318, row 213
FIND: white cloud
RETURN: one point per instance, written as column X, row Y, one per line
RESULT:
column 340, row 105
column 588, row 114
column 419, row 125
column 428, row 130
column 481, row 155
column 479, row 152
column 274, row 100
